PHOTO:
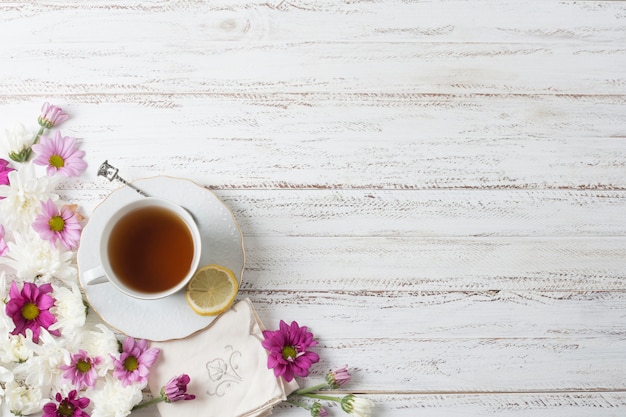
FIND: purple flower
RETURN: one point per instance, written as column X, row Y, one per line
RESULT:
column 82, row 369
column 338, row 377
column 317, row 410
column 4, row 172
column 51, row 116
column 135, row 361
column 60, row 155
column 176, row 389
column 70, row 406
column 29, row 309
column 54, row 224
column 3, row 245
column 287, row 348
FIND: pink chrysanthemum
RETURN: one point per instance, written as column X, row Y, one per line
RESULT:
column 316, row 410
column 70, row 406
column 54, row 224
column 4, row 172
column 60, row 155
column 29, row 309
column 287, row 348
column 176, row 389
column 4, row 248
column 135, row 361
column 338, row 377
column 51, row 116
column 82, row 369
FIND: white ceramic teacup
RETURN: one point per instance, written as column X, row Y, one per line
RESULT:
column 149, row 249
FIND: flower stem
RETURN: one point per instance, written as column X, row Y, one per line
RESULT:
column 148, row 403
column 323, row 397
column 38, row 135
column 27, row 152
column 297, row 404
column 309, row 389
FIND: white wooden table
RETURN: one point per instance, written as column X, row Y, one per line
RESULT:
column 437, row 189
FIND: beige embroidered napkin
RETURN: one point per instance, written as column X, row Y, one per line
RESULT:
column 227, row 366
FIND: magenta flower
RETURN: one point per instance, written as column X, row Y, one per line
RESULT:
column 135, row 361
column 82, row 370
column 176, row 389
column 51, row 116
column 4, row 248
column 70, row 406
column 29, row 309
column 54, row 224
column 338, row 377
column 60, row 155
column 4, row 172
column 287, row 348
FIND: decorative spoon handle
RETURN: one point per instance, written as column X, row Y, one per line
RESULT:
column 109, row 172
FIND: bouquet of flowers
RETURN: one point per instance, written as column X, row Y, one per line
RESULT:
column 289, row 355
column 53, row 360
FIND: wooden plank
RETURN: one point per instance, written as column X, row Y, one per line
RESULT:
column 398, row 314
column 311, row 68
column 413, row 213
column 435, row 264
column 389, row 20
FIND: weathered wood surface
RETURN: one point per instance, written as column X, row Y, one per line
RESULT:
column 437, row 189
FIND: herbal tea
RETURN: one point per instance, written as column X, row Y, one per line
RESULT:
column 150, row 249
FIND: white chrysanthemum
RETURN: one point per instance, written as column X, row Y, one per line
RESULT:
column 23, row 197
column 69, row 310
column 32, row 257
column 112, row 399
column 6, row 323
column 5, row 376
column 101, row 342
column 14, row 350
column 23, row 399
column 42, row 370
column 15, row 139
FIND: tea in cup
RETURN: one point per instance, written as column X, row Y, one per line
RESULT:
column 149, row 249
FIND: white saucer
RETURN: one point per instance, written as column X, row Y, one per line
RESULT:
column 170, row 317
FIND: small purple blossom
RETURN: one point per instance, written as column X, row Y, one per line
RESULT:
column 60, row 155
column 287, row 350
column 82, row 369
column 51, row 116
column 317, row 410
column 4, row 172
column 54, row 224
column 4, row 248
column 70, row 406
column 176, row 389
column 338, row 377
column 133, row 365
column 29, row 309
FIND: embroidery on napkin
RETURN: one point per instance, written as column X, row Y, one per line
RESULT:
column 223, row 372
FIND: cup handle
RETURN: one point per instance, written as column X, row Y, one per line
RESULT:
column 95, row 276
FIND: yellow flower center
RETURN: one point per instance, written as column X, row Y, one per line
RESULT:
column 83, row 366
column 66, row 409
column 56, row 223
column 289, row 353
column 30, row 311
column 131, row 363
column 56, row 161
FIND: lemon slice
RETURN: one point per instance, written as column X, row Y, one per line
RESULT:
column 212, row 290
